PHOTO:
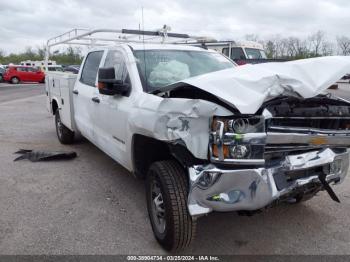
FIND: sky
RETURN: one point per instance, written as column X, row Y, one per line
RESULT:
column 26, row 23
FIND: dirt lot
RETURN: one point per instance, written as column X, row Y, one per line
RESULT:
column 91, row 205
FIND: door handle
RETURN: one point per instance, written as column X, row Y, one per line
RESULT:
column 95, row 99
column 76, row 92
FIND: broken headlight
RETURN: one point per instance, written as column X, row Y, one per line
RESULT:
column 238, row 139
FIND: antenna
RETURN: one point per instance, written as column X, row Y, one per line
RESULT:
column 139, row 30
column 143, row 43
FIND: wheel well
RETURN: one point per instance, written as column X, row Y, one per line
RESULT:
column 54, row 106
column 145, row 151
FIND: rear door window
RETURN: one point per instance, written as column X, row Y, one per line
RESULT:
column 89, row 73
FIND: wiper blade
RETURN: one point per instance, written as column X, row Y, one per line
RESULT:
column 156, row 91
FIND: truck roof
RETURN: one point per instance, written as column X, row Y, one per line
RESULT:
column 138, row 46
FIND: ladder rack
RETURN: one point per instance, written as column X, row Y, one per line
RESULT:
column 103, row 37
column 93, row 37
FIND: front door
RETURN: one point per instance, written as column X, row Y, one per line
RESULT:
column 111, row 113
column 23, row 74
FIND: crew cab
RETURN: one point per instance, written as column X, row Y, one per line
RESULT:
column 205, row 134
column 17, row 74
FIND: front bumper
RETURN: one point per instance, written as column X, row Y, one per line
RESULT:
column 215, row 189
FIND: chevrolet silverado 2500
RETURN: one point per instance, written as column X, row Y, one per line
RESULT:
column 205, row 134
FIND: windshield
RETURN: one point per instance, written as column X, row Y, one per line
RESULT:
column 164, row 67
column 253, row 53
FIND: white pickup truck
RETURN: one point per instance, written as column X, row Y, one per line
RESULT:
column 205, row 134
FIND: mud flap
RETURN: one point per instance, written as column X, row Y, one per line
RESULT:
column 328, row 188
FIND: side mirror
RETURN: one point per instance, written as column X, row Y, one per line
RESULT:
column 108, row 85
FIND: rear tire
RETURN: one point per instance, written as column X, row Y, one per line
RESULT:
column 65, row 135
column 167, row 192
column 15, row 80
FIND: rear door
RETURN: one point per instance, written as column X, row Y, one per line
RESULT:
column 83, row 93
column 34, row 75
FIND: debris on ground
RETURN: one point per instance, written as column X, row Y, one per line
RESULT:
column 36, row 156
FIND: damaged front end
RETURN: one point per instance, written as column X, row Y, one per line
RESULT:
column 291, row 148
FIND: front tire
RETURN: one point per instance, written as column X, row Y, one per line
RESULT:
column 15, row 80
column 65, row 136
column 167, row 191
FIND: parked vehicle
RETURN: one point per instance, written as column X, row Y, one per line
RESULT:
column 17, row 74
column 2, row 71
column 58, row 68
column 37, row 63
column 72, row 68
column 346, row 77
column 205, row 134
column 247, row 52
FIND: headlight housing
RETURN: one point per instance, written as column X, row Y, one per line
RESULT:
column 239, row 140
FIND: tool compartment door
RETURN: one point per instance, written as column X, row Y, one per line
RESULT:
column 60, row 87
column 67, row 82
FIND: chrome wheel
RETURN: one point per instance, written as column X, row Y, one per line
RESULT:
column 158, row 211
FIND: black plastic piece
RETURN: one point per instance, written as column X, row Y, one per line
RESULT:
column 326, row 186
column 35, row 156
column 180, row 152
column 153, row 33
column 280, row 180
column 95, row 99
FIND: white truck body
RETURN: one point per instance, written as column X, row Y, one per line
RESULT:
column 60, row 86
column 231, row 139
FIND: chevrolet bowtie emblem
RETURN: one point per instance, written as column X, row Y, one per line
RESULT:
column 316, row 141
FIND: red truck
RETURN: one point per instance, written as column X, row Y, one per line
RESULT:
column 17, row 74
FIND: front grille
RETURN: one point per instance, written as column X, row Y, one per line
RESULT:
column 300, row 134
column 311, row 123
column 272, row 148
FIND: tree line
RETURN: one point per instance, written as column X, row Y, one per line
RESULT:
column 69, row 56
column 314, row 45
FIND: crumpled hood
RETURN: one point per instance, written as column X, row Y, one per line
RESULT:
column 247, row 87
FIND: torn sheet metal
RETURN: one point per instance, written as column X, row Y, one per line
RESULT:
column 247, row 87
column 174, row 119
column 35, row 156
